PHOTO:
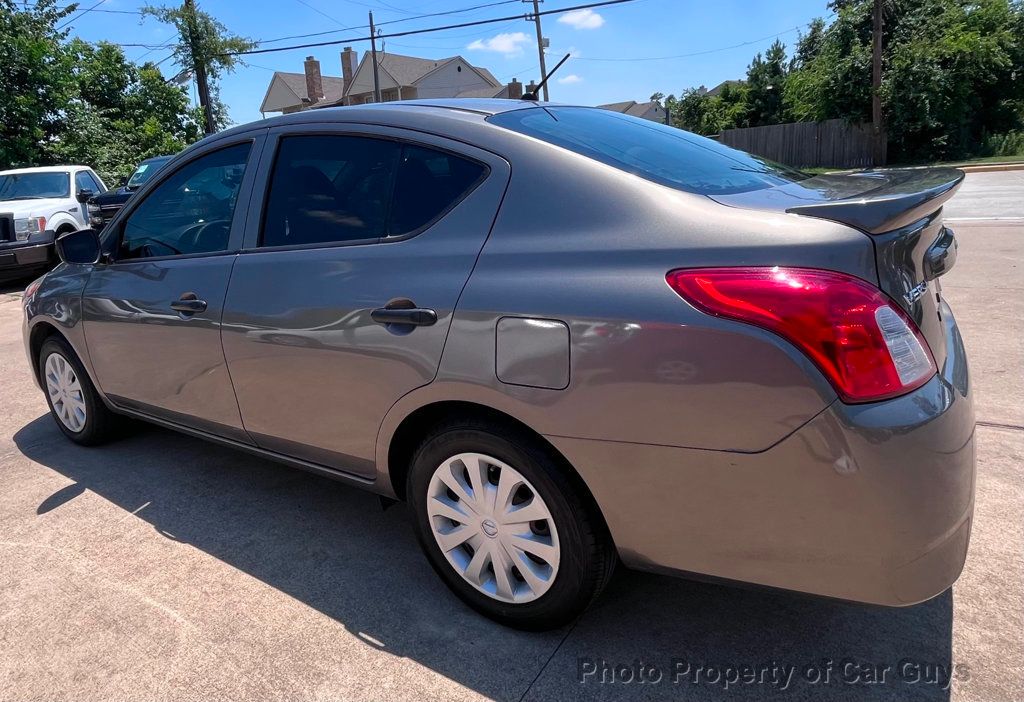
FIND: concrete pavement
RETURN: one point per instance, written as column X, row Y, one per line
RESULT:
column 986, row 196
column 161, row 567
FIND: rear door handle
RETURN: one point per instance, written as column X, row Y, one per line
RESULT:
column 412, row 316
column 189, row 303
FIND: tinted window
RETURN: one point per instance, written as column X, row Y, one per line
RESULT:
column 191, row 211
column 85, row 181
column 145, row 171
column 648, row 149
column 328, row 189
column 428, row 183
column 31, row 186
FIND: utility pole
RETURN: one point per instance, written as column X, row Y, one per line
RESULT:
column 199, row 66
column 877, row 128
column 540, row 47
column 373, row 57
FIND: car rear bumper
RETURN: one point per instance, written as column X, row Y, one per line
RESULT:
column 871, row 503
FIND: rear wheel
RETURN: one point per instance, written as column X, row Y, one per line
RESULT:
column 74, row 403
column 504, row 526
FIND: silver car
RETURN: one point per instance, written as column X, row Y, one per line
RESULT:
column 565, row 336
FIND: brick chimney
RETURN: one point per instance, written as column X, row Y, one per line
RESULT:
column 532, row 87
column 314, row 83
column 515, row 90
column 349, row 61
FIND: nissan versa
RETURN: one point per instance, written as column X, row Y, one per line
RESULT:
column 565, row 336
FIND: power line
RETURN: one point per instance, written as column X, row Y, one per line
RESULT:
column 697, row 53
column 82, row 14
column 109, row 12
column 428, row 30
column 321, row 12
column 380, row 24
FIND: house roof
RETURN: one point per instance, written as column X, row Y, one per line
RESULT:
column 409, row 70
column 631, row 107
column 406, row 70
column 482, row 93
column 296, row 82
column 731, row 83
column 618, row 106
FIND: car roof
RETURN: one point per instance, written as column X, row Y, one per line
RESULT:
column 45, row 169
column 454, row 107
column 153, row 159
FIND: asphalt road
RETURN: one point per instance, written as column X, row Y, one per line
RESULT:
column 161, row 567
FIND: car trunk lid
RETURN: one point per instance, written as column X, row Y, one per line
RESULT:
column 901, row 211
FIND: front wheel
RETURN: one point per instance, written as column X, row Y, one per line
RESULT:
column 74, row 403
column 505, row 527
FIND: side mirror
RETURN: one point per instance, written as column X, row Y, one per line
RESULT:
column 81, row 247
column 84, row 194
column 122, row 181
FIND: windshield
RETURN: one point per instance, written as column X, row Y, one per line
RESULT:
column 32, row 186
column 650, row 150
column 144, row 172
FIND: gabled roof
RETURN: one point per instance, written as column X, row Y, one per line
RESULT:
column 639, row 109
column 406, row 70
column 296, row 83
column 482, row 92
column 730, row 83
column 631, row 107
column 618, row 106
column 409, row 70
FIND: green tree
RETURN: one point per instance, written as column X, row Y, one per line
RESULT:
column 952, row 73
column 121, row 113
column 202, row 40
column 35, row 80
column 74, row 102
column 808, row 45
column 766, row 80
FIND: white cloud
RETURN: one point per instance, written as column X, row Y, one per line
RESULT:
column 582, row 19
column 510, row 44
column 570, row 79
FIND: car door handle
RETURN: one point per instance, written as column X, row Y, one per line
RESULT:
column 412, row 316
column 189, row 303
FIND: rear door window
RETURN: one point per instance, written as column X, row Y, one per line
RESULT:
column 429, row 183
column 654, row 151
column 329, row 189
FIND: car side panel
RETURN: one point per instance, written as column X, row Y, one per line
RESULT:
column 592, row 252
column 313, row 373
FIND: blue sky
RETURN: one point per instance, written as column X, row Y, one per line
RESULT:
column 643, row 29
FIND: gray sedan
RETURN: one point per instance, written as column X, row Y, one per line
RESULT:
column 568, row 338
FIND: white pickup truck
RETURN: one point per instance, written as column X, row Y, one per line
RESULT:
column 36, row 206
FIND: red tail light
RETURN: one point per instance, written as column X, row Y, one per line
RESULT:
column 867, row 348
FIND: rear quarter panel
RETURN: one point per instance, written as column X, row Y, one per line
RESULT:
column 583, row 243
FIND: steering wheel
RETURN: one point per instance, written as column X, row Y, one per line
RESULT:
column 216, row 227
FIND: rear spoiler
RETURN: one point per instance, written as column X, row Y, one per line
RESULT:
column 909, row 195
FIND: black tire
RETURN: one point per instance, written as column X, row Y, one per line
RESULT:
column 587, row 556
column 99, row 422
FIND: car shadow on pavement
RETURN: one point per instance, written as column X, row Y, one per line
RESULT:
column 332, row 548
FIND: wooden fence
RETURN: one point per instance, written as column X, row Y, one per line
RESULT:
column 834, row 143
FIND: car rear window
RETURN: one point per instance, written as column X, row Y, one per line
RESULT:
column 651, row 150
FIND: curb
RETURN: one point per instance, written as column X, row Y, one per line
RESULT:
column 986, row 167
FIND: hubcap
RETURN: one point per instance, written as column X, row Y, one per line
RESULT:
column 493, row 527
column 65, row 392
